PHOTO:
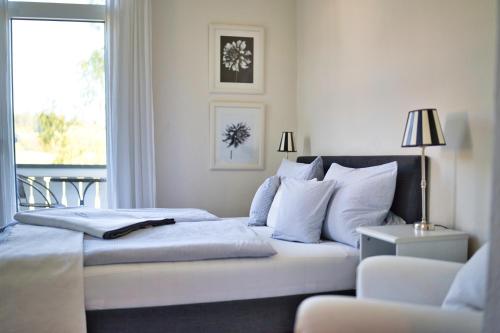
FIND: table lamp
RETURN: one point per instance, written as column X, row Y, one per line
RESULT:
column 423, row 129
column 287, row 144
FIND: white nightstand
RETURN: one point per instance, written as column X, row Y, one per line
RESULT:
column 404, row 240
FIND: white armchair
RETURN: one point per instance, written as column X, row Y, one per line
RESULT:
column 394, row 294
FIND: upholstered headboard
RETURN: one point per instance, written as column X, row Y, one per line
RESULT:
column 408, row 197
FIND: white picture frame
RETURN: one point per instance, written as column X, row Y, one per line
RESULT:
column 237, row 151
column 243, row 74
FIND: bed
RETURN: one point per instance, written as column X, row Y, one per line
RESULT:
column 237, row 295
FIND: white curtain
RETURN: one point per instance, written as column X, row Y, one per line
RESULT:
column 7, row 168
column 131, row 164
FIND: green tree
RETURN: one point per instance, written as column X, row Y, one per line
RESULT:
column 53, row 133
column 51, row 129
column 93, row 75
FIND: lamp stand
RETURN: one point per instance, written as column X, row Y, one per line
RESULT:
column 286, row 155
column 423, row 225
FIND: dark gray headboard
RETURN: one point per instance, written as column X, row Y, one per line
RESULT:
column 408, row 197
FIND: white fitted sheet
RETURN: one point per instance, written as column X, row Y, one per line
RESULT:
column 296, row 269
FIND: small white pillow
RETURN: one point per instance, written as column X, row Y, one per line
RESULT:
column 302, row 210
column 468, row 290
column 301, row 171
column 262, row 201
column 272, row 217
column 362, row 197
column 393, row 219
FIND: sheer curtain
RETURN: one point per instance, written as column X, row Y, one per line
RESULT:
column 7, row 168
column 131, row 164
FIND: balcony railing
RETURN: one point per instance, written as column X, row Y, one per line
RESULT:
column 64, row 185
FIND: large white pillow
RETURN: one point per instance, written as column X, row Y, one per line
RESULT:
column 301, row 171
column 468, row 290
column 362, row 197
column 302, row 209
column 294, row 170
column 272, row 216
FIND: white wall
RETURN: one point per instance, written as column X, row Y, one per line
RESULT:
column 181, row 102
column 363, row 64
column 344, row 73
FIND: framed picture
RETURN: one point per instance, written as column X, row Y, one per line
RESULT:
column 237, row 135
column 236, row 56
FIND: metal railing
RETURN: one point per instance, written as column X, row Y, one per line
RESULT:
column 71, row 185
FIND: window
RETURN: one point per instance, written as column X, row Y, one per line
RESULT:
column 58, row 92
column 58, row 89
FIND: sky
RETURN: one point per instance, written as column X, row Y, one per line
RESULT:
column 47, row 58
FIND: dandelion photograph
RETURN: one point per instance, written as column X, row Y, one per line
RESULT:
column 236, row 59
column 237, row 135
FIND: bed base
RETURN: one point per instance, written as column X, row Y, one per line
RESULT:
column 276, row 314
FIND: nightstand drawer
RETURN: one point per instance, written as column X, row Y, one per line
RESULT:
column 450, row 250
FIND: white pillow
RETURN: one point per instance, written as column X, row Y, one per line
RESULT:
column 262, row 201
column 302, row 209
column 468, row 290
column 361, row 197
column 393, row 219
column 301, row 171
column 272, row 216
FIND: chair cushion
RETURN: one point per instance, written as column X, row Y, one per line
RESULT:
column 262, row 201
column 468, row 290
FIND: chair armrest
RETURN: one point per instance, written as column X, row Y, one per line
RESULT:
column 332, row 314
column 405, row 279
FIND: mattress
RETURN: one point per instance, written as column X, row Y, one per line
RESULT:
column 296, row 269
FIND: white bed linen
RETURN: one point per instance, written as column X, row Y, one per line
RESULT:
column 296, row 269
column 97, row 222
column 41, row 280
column 184, row 241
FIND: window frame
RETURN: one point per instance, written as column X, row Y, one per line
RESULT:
column 56, row 11
column 40, row 11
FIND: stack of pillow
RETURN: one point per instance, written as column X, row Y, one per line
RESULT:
column 302, row 204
